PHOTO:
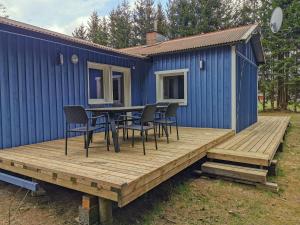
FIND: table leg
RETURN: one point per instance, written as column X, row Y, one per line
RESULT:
column 114, row 132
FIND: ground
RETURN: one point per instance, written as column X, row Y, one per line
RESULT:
column 183, row 200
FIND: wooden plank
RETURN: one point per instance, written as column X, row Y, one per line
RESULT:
column 238, row 172
column 237, row 156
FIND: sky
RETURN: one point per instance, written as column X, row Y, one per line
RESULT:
column 58, row 15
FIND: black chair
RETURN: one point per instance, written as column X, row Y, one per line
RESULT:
column 143, row 124
column 168, row 118
column 77, row 115
column 103, row 121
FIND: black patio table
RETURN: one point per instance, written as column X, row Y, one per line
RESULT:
column 112, row 111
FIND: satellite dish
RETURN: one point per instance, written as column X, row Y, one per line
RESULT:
column 276, row 20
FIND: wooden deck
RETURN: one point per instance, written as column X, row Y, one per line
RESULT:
column 120, row 177
column 255, row 145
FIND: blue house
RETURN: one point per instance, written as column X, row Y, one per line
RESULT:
column 213, row 77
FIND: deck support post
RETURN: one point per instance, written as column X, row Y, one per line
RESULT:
column 280, row 147
column 105, row 211
column 40, row 191
column 272, row 168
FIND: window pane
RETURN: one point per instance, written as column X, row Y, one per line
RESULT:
column 118, row 87
column 96, row 84
column 173, row 87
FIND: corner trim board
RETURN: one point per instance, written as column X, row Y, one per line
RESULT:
column 233, row 88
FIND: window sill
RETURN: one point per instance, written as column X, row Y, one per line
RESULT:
column 181, row 102
column 98, row 102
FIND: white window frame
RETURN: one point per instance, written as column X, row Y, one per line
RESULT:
column 159, row 85
column 107, row 83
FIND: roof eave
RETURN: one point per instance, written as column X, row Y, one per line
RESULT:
column 63, row 37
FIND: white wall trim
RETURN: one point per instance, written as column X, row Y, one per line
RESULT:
column 233, row 88
column 159, row 86
column 171, row 72
column 108, row 89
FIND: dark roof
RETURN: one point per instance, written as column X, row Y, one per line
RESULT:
column 223, row 37
column 36, row 29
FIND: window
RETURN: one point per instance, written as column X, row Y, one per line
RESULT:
column 99, row 83
column 171, row 86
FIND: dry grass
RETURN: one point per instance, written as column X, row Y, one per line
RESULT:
column 183, row 200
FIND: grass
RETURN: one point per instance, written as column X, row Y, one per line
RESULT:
column 268, row 106
column 184, row 199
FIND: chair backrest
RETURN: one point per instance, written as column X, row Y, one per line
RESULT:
column 171, row 110
column 75, row 114
column 148, row 113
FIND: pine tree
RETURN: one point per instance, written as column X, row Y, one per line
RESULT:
column 248, row 12
column 280, row 75
column 103, row 32
column 80, row 32
column 93, row 28
column 188, row 17
column 143, row 19
column 161, row 20
column 182, row 17
column 97, row 30
column 121, row 26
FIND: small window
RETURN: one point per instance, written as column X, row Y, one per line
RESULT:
column 99, row 83
column 171, row 86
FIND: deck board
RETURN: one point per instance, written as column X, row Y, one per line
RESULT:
column 121, row 177
column 256, row 144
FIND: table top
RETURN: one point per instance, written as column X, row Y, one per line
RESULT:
column 121, row 109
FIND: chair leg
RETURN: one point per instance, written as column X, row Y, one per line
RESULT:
column 86, row 144
column 143, row 138
column 159, row 130
column 123, row 133
column 155, row 137
column 146, row 133
column 108, row 136
column 66, row 143
column 170, row 129
column 177, row 130
column 107, row 143
column 166, row 130
column 132, row 138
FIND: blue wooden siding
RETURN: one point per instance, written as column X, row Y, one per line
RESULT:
column 209, row 90
column 246, row 87
column 34, row 88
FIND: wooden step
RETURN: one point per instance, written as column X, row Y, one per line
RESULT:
column 252, row 158
column 236, row 172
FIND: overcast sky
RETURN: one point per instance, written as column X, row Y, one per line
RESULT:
column 58, row 15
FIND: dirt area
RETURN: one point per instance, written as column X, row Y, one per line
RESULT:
column 183, row 200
